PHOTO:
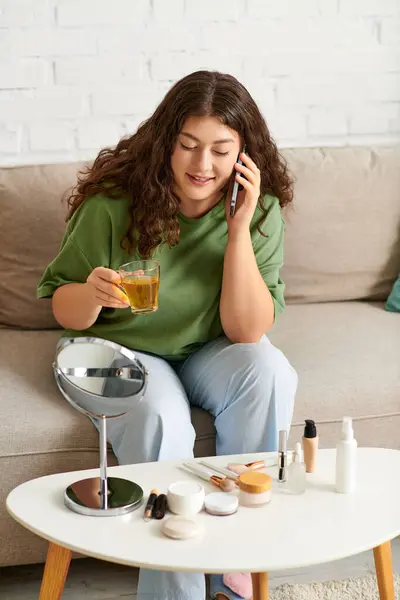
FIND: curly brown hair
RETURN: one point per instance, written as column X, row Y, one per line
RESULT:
column 139, row 166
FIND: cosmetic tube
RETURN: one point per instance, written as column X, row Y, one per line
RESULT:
column 310, row 446
column 282, row 456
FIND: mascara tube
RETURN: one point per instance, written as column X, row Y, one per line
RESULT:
column 282, row 456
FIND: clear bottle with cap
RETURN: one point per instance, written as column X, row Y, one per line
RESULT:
column 346, row 456
column 297, row 472
column 255, row 488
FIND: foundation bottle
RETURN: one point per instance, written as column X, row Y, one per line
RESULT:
column 310, row 446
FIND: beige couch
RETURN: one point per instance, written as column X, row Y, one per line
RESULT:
column 342, row 256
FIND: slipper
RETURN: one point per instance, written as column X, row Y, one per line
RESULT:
column 235, row 586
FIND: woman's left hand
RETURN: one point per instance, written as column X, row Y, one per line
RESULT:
column 247, row 198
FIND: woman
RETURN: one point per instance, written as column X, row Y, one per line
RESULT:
column 163, row 193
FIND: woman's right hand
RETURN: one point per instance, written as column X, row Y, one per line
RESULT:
column 103, row 288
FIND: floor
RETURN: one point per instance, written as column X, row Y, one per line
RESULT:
column 89, row 579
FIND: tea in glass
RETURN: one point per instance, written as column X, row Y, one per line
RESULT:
column 140, row 281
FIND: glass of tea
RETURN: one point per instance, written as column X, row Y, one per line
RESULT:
column 140, row 281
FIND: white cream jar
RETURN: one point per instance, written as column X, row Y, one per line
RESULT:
column 185, row 498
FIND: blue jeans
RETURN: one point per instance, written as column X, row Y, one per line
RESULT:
column 248, row 388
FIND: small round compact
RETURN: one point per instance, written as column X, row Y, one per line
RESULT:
column 179, row 528
column 221, row 504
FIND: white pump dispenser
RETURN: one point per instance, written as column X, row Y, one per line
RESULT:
column 346, row 455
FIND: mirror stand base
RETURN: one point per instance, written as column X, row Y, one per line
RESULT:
column 84, row 497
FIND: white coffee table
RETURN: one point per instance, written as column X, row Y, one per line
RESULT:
column 292, row 531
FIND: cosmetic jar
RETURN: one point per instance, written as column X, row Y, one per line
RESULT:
column 255, row 489
column 185, row 498
column 221, row 504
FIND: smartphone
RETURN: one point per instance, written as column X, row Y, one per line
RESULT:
column 236, row 186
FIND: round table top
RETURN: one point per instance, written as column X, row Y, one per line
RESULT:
column 291, row 531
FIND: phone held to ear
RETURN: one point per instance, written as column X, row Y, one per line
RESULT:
column 236, row 186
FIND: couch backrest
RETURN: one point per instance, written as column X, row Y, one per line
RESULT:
column 32, row 223
column 342, row 235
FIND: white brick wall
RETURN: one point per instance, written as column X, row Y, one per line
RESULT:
column 76, row 75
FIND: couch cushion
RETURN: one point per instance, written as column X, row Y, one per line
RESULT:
column 31, row 228
column 342, row 239
column 347, row 358
column 36, row 418
column 346, row 355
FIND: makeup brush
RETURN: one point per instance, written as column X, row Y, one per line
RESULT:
column 251, row 466
column 224, row 484
column 221, row 470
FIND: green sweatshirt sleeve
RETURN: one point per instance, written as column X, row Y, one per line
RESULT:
column 81, row 250
column 269, row 251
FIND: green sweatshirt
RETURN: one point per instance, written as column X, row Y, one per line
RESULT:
column 191, row 274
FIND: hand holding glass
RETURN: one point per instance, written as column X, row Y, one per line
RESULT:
column 140, row 281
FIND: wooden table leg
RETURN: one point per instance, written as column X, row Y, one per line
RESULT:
column 384, row 571
column 55, row 572
column 260, row 586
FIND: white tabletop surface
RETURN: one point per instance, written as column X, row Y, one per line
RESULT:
column 292, row 531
